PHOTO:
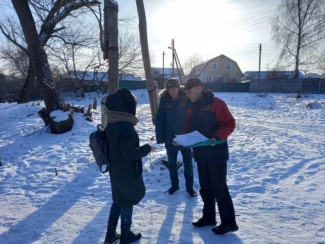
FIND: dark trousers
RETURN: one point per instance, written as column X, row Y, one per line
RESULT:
column 126, row 219
column 213, row 182
column 188, row 167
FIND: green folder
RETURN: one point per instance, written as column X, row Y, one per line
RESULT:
column 208, row 143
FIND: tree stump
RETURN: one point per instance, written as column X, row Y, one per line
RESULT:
column 95, row 103
column 43, row 114
column 60, row 122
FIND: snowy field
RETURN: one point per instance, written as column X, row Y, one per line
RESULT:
column 276, row 176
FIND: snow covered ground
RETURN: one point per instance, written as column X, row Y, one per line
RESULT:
column 52, row 192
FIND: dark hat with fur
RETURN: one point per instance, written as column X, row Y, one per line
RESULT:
column 123, row 101
column 172, row 83
column 192, row 82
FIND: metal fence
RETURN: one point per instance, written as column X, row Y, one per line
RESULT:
column 226, row 87
column 213, row 86
column 289, row 85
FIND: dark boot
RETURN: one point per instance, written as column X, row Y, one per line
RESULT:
column 127, row 236
column 130, row 237
column 224, row 228
column 204, row 221
column 192, row 193
column 172, row 190
column 111, row 235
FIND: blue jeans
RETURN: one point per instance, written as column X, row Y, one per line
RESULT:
column 188, row 167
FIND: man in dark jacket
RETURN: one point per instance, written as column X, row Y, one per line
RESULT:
column 126, row 166
column 170, row 121
column 211, row 117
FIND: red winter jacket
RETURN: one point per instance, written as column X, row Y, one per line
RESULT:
column 212, row 118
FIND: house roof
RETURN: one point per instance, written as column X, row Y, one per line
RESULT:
column 197, row 70
column 167, row 71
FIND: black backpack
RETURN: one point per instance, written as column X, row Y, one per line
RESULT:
column 99, row 146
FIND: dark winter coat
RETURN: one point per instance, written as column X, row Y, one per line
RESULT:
column 212, row 118
column 170, row 118
column 125, row 153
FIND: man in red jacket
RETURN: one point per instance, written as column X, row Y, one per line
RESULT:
column 211, row 117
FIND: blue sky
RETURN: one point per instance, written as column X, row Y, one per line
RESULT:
column 207, row 28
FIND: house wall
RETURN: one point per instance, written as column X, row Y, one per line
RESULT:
column 216, row 71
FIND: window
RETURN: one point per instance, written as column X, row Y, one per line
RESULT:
column 208, row 79
column 221, row 79
column 228, row 66
column 214, row 66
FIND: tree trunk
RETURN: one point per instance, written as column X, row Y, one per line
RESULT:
column 23, row 96
column 38, row 57
column 47, row 29
column 146, row 59
column 297, row 61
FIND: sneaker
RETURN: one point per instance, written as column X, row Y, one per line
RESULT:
column 112, row 239
column 204, row 222
column 192, row 193
column 172, row 190
column 223, row 229
column 131, row 237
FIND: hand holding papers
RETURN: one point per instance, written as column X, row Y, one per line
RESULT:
column 195, row 139
column 190, row 138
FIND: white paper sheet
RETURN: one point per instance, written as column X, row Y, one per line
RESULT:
column 190, row 139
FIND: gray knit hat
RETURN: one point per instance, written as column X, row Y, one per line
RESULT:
column 172, row 83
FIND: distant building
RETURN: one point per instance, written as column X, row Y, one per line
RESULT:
column 164, row 73
column 270, row 75
column 100, row 76
column 219, row 69
column 314, row 75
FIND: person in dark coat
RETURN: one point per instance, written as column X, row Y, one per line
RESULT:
column 126, row 165
column 170, row 121
column 211, row 117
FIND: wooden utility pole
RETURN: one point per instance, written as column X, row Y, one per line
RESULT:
column 111, row 43
column 259, row 63
column 163, row 66
column 110, row 51
column 173, row 56
column 151, row 87
column 179, row 67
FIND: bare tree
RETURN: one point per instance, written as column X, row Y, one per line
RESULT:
column 321, row 62
column 298, row 29
column 130, row 57
column 15, row 60
column 192, row 61
column 37, row 56
column 14, row 52
column 49, row 13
